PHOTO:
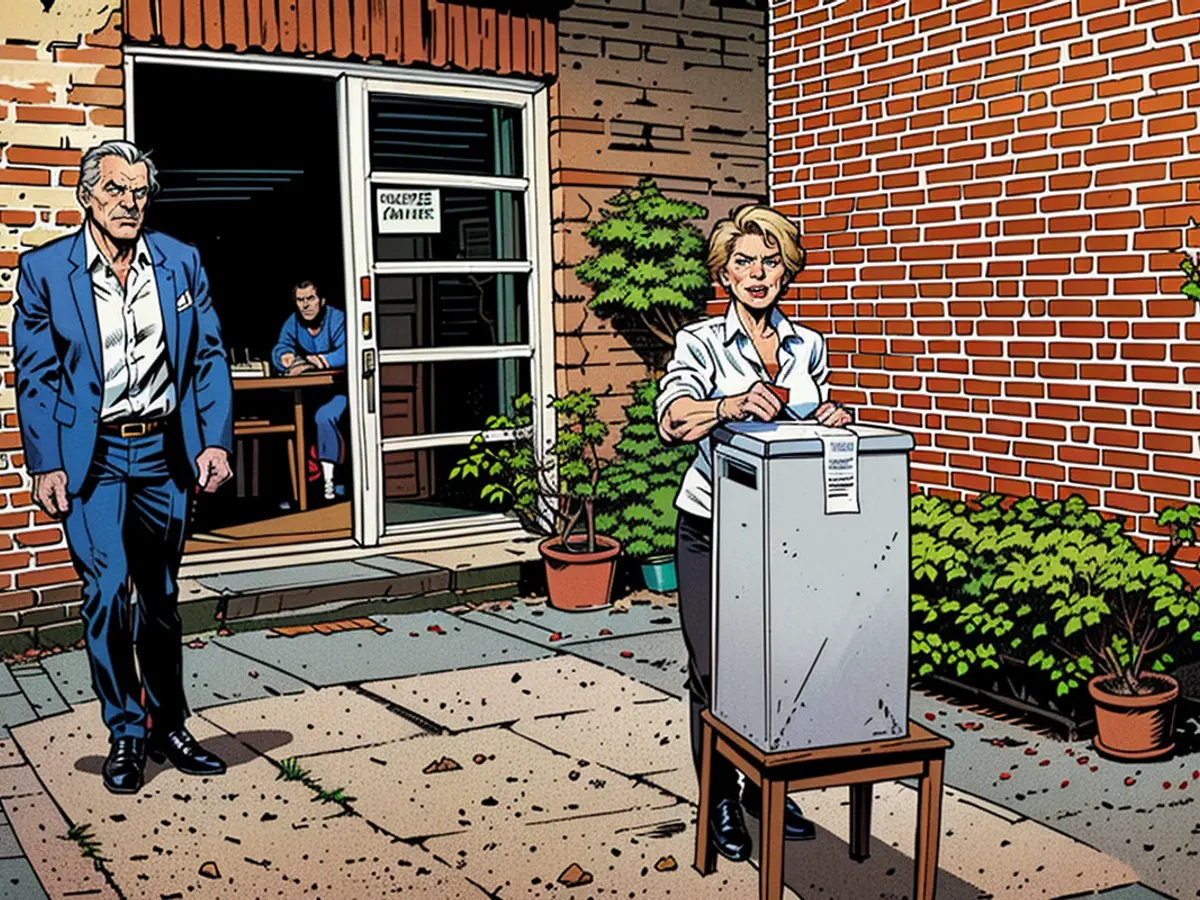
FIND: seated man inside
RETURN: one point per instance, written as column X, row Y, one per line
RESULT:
column 312, row 339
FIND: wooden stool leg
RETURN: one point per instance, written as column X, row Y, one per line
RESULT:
column 770, row 853
column 706, row 857
column 929, row 824
column 296, row 476
column 861, row 796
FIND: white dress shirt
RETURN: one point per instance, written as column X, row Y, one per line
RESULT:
column 137, row 372
column 716, row 358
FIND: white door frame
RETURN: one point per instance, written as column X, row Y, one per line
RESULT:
column 354, row 80
column 362, row 343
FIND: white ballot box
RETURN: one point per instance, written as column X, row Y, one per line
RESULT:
column 810, row 583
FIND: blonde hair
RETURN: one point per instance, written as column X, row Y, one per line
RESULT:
column 754, row 219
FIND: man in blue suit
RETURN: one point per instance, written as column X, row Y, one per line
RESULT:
column 124, row 399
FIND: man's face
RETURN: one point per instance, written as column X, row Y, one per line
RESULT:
column 117, row 202
column 308, row 303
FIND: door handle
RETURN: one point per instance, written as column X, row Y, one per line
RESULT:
column 368, row 374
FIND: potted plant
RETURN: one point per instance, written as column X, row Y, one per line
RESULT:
column 649, row 270
column 638, row 491
column 1118, row 611
column 553, row 494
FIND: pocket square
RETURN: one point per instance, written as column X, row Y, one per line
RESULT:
column 184, row 301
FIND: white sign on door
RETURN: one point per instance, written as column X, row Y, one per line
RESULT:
column 408, row 211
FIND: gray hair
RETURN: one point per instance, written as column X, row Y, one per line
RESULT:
column 89, row 167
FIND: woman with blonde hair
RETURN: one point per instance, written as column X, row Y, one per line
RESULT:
column 736, row 367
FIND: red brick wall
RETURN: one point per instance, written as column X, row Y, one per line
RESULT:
column 993, row 195
column 60, row 92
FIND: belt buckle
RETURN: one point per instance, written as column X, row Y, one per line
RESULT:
column 133, row 429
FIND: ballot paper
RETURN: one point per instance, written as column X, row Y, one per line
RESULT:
column 841, row 470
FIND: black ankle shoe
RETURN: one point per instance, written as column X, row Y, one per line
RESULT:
column 795, row 826
column 184, row 753
column 729, row 833
column 124, row 765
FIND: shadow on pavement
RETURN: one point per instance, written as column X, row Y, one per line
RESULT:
column 233, row 748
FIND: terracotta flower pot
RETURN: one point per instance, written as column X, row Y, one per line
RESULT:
column 1135, row 727
column 577, row 579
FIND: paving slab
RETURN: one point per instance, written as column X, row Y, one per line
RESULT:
column 982, row 854
column 39, row 690
column 658, row 659
column 647, row 740
column 15, row 710
column 18, row 881
column 514, row 779
column 317, row 721
column 8, row 684
column 505, row 693
column 266, row 836
column 10, row 753
column 72, row 676
column 620, row 851
column 538, row 622
column 1132, row 892
column 62, row 869
column 348, row 657
column 9, row 845
column 212, row 675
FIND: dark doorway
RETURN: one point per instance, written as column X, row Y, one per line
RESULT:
column 248, row 163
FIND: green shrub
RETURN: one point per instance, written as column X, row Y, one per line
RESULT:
column 556, row 493
column 1051, row 584
column 638, row 489
column 1191, row 284
column 650, row 262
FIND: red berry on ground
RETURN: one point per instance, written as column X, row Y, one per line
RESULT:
column 627, row 654
column 1093, row 768
column 1029, row 751
column 556, row 636
column 1083, row 760
column 1166, row 785
column 1129, row 782
column 1182, row 785
column 604, row 632
column 1044, row 762
column 1196, row 776
column 930, row 716
column 1070, row 752
column 1004, row 776
column 414, row 634
column 1066, row 781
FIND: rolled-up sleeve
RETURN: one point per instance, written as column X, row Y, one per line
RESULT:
column 818, row 366
column 690, row 373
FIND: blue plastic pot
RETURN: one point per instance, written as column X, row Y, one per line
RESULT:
column 659, row 574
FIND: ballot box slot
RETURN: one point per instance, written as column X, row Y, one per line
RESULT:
column 739, row 473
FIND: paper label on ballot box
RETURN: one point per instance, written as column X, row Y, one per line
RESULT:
column 841, row 470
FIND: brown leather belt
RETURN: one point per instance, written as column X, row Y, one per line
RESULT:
column 132, row 429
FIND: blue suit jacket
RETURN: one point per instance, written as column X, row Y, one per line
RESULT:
column 56, row 338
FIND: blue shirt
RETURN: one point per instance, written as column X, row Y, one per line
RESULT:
column 327, row 347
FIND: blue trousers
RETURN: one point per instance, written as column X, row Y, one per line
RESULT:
column 128, row 521
column 329, row 417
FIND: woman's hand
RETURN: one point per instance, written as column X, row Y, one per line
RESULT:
column 833, row 414
column 756, row 403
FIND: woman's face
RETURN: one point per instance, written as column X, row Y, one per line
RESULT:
column 754, row 274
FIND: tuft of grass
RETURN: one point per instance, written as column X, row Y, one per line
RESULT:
column 290, row 770
column 88, row 845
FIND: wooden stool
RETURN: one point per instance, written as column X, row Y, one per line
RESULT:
column 921, row 754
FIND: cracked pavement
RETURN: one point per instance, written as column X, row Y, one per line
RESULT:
column 519, row 752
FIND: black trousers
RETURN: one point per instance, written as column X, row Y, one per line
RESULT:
column 693, row 561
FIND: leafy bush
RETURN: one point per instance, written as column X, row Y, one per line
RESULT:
column 553, row 495
column 1052, row 585
column 650, row 263
column 639, row 488
column 1191, row 285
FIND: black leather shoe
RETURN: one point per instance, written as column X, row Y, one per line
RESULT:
column 795, row 826
column 124, row 765
column 184, row 753
column 729, row 833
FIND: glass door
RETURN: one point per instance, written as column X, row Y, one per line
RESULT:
column 445, row 214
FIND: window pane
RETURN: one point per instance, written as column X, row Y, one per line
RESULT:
column 443, row 397
column 412, row 135
column 473, row 224
column 467, row 310
column 418, row 488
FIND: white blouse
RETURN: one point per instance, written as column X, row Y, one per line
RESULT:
column 716, row 358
